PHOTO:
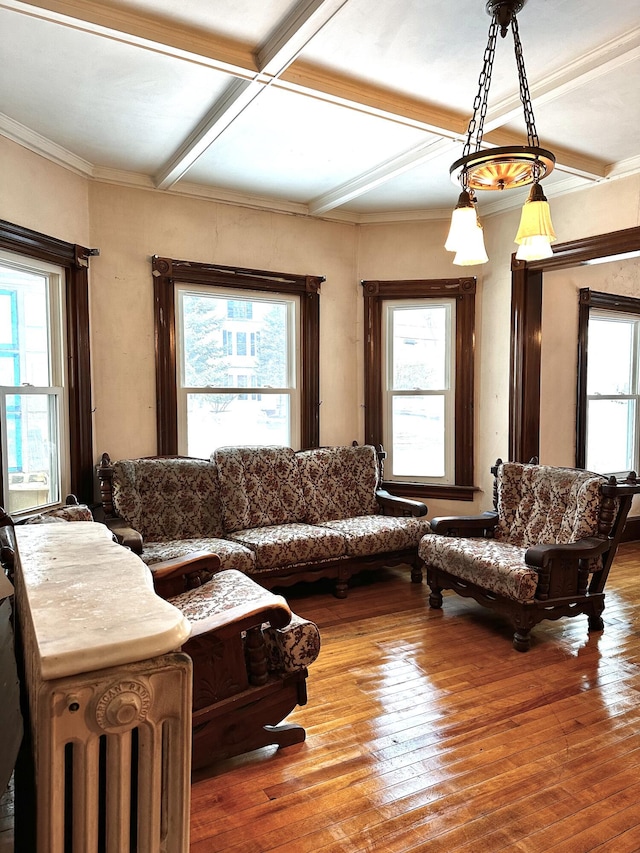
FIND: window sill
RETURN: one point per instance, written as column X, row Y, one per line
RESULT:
column 430, row 490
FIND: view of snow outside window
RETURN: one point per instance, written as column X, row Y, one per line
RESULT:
column 238, row 370
column 419, row 393
column 30, row 428
column 612, row 394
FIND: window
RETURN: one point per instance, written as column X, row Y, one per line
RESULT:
column 272, row 318
column 419, row 383
column 32, row 396
column 608, row 434
column 46, row 449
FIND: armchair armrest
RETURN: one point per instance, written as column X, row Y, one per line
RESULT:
column 539, row 556
column 465, row 525
column 125, row 534
column 394, row 505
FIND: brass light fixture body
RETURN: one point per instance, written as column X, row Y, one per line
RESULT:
column 511, row 166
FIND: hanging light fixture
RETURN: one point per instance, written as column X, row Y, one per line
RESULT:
column 504, row 168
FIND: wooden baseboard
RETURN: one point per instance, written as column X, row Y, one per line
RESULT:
column 632, row 529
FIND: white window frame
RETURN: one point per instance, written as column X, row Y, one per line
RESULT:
column 389, row 307
column 293, row 388
column 56, row 316
column 634, row 320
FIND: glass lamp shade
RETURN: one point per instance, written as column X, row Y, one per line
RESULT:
column 535, row 233
column 472, row 251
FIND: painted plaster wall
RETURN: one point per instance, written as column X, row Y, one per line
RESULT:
column 130, row 225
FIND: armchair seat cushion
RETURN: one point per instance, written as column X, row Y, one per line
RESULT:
column 293, row 647
column 232, row 554
column 286, row 544
column 492, row 565
column 377, row 534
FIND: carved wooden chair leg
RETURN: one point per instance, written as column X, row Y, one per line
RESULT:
column 342, row 584
column 416, row 571
column 596, row 622
column 435, row 596
column 522, row 639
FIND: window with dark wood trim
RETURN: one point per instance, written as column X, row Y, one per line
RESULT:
column 74, row 260
column 463, row 291
column 168, row 272
column 614, row 305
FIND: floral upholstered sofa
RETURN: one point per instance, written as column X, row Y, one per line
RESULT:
column 544, row 552
column 275, row 514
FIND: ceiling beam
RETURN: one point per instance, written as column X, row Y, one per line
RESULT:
column 306, row 19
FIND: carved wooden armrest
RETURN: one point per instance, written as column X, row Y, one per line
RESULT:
column 465, row 525
column 125, row 534
column 394, row 505
column 171, row 577
column 589, row 548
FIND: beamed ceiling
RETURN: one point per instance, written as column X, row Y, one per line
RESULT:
column 349, row 109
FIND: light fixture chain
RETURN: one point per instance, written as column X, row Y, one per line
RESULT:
column 525, row 96
column 476, row 122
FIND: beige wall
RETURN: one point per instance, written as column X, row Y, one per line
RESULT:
column 129, row 225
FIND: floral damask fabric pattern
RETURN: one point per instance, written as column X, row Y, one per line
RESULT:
column 339, row 482
column 291, row 648
column 495, row 566
column 259, row 487
column 167, row 499
column 286, row 544
column 77, row 512
column 542, row 504
column 376, row 534
column 232, row 555
column 294, row 647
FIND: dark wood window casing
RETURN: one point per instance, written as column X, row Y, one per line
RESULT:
column 463, row 291
column 167, row 272
column 74, row 259
column 526, row 330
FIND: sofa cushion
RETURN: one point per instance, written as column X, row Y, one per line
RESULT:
column 166, row 499
column 286, row 544
column 542, row 504
column 339, row 482
column 377, row 534
column 495, row 566
column 232, row 554
column 259, row 487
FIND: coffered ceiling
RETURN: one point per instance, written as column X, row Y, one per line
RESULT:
column 349, row 109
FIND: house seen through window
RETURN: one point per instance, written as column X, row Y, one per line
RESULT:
column 230, row 343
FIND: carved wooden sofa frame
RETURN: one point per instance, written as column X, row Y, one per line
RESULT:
column 565, row 578
column 277, row 515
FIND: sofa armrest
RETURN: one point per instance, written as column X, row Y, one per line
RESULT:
column 125, row 534
column 394, row 505
column 171, row 577
column 467, row 526
column 539, row 556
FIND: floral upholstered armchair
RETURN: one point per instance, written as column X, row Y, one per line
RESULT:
column 544, row 552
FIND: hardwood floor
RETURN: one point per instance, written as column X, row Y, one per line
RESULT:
column 426, row 731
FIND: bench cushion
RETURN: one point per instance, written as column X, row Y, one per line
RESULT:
column 377, row 534
column 495, row 566
column 259, row 487
column 286, row 544
column 166, row 499
column 339, row 482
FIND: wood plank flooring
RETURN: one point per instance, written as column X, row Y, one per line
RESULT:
column 426, row 731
